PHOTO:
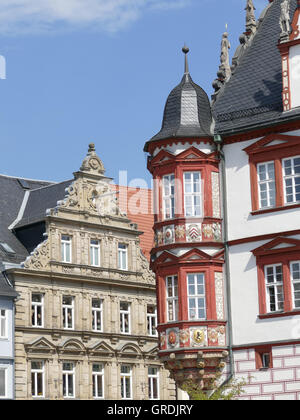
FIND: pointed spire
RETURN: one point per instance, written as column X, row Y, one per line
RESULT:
column 251, row 23
column 186, row 50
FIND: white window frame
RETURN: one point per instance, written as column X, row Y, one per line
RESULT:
column 64, row 244
column 294, row 282
column 268, row 181
column 35, row 373
column 168, row 194
column 96, row 312
column 124, row 378
column 123, row 315
column 122, row 253
column 293, row 176
column 276, row 284
column 95, row 376
column 196, row 296
column 4, row 321
column 172, row 301
column 151, row 378
column 66, row 374
column 5, row 370
column 193, row 194
column 152, row 321
column 68, row 308
column 95, row 252
column 34, row 309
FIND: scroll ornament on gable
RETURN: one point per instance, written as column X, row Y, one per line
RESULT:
column 39, row 258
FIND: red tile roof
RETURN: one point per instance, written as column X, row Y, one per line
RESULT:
column 137, row 204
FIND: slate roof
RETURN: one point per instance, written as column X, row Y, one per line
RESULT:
column 11, row 198
column 5, row 289
column 252, row 97
column 187, row 112
column 42, row 196
column 40, row 200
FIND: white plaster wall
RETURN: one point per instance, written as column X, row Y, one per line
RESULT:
column 294, row 72
column 241, row 223
column 247, row 328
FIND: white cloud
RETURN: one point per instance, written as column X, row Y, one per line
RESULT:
column 30, row 16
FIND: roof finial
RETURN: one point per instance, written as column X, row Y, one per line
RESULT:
column 186, row 50
column 225, row 47
column 251, row 24
column 284, row 21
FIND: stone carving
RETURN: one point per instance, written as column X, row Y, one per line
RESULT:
column 284, row 21
column 193, row 232
column 147, row 274
column 92, row 163
column 180, row 232
column 104, row 200
column 251, row 24
column 199, row 337
column 184, row 336
column 219, row 295
column 169, row 234
column 225, row 62
column 40, row 257
column 173, row 338
column 216, row 195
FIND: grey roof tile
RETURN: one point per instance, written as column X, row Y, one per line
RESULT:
column 253, row 95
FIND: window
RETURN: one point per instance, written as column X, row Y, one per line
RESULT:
column 172, row 298
column 274, row 163
column 97, row 311
column 125, row 318
column 68, row 312
column 68, row 380
column 192, row 194
column 196, row 296
column 37, row 379
column 295, row 275
column 153, row 383
column 152, row 320
column 274, row 284
column 122, row 257
column 37, row 310
column 3, row 323
column 126, row 382
column 66, row 249
column 267, row 186
column 169, row 196
column 291, row 173
column 95, row 253
column 3, row 382
column 98, row 381
column 278, row 271
column 264, row 358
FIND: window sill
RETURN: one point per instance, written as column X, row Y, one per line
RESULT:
column 279, row 314
column 275, row 209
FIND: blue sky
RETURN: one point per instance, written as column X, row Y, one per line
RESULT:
column 81, row 71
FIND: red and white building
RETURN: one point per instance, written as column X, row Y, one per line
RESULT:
column 227, row 225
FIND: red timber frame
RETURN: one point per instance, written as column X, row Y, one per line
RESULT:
column 270, row 254
column 284, row 48
column 261, row 152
